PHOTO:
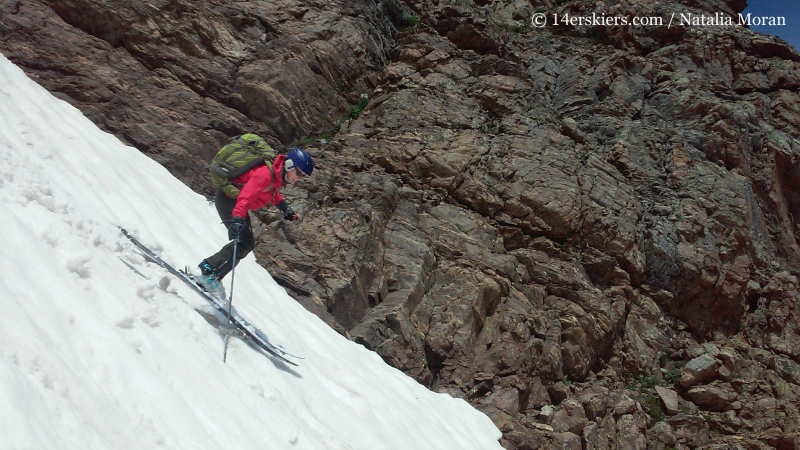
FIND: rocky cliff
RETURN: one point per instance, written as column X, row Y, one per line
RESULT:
column 588, row 232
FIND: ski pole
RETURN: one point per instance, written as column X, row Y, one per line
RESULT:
column 230, row 300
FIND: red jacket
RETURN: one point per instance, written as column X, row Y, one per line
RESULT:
column 261, row 187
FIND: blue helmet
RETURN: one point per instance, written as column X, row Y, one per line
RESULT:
column 300, row 159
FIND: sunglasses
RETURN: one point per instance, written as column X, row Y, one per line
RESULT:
column 299, row 173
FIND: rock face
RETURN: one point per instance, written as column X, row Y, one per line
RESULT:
column 175, row 79
column 549, row 222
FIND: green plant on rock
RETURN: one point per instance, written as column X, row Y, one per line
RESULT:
column 499, row 27
column 655, row 410
column 306, row 141
column 645, row 382
column 411, row 22
column 326, row 137
column 672, row 376
column 355, row 110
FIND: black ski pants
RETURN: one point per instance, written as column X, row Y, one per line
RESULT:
column 222, row 261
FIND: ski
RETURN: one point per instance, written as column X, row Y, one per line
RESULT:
column 253, row 334
column 218, row 304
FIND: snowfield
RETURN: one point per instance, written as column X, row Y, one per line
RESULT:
column 100, row 349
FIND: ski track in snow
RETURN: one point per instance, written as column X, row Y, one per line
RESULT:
column 100, row 349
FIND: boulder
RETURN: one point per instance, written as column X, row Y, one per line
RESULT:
column 600, row 435
column 669, row 399
column 716, row 397
column 629, row 435
column 623, row 404
column 567, row 441
column 699, row 370
column 691, row 430
column 506, row 400
column 569, row 416
column 546, row 414
column 595, row 402
column 661, row 436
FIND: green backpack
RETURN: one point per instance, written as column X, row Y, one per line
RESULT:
column 240, row 154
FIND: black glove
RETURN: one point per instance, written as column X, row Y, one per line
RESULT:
column 236, row 228
column 288, row 213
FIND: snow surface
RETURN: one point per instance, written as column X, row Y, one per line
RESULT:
column 100, row 349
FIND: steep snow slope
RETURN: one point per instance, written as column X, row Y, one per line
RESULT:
column 100, row 349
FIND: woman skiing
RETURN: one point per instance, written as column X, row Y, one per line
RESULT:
column 256, row 188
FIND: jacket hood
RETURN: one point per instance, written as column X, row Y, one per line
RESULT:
column 278, row 163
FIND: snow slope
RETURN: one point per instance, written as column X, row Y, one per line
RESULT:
column 100, row 349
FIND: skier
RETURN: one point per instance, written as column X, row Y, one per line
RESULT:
column 258, row 187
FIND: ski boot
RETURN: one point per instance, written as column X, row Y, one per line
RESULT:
column 209, row 281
